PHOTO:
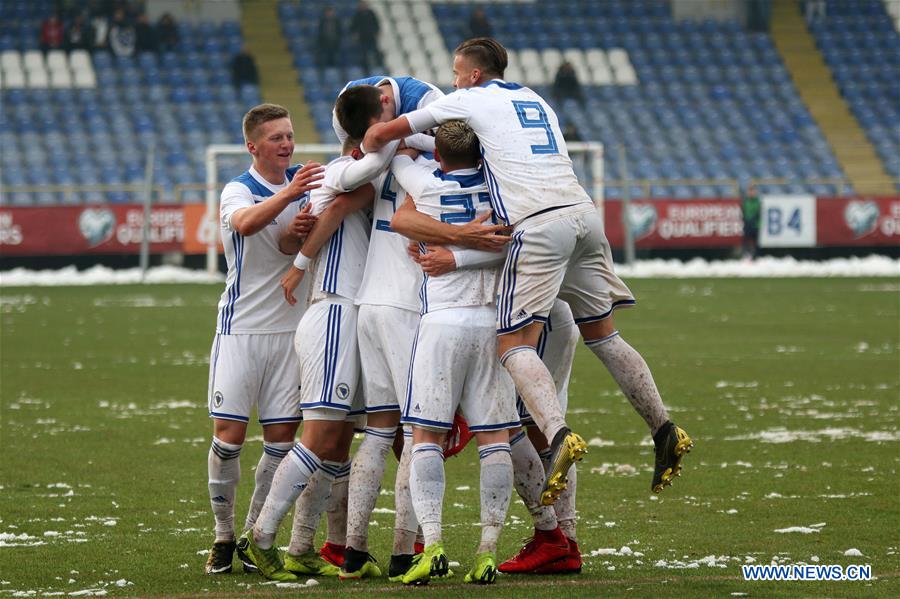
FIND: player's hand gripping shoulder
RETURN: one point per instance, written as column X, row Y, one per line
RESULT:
column 289, row 282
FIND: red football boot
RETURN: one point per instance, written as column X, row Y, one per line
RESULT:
column 571, row 564
column 333, row 554
column 419, row 548
column 545, row 547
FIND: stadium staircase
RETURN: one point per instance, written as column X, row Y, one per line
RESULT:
column 813, row 80
column 278, row 79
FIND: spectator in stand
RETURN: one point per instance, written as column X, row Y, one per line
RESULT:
column 52, row 33
column 479, row 26
column 243, row 69
column 80, row 34
column 166, row 33
column 145, row 35
column 570, row 133
column 122, row 35
column 99, row 21
column 566, row 84
column 364, row 27
column 815, row 10
column 329, row 41
column 750, row 208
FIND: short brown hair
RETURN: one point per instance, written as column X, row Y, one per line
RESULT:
column 356, row 107
column 263, row 113
column 486, row 53
column 457, row 144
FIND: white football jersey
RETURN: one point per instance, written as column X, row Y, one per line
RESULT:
column 456, row 197
column 338, row 267
column 391, row 277
column 253, row 301
column 526, row 163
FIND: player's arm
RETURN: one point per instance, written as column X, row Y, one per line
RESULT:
column 411, row 223
column 292, row 236
column 327, row 223
column 454, row 106
column 367, row 168
column 438, row 259
column 253, row 219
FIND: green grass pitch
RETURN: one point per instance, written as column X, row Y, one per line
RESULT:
column 789, row 388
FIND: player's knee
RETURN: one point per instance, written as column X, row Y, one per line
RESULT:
column 597, row 329
column 230, row 431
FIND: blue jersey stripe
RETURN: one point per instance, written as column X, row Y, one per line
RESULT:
column 409, row 375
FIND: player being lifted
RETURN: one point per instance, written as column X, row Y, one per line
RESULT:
column 453, row 364
column 388, row 316
column 329, row 361
column 251, row 361
column 558, row 249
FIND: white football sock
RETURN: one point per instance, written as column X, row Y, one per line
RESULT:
column 405, row 522
column 528, row 476
column 309, row 507
column 365, row 483
column 535, row 387
column 224, row 469
column 633, row 376
column 290, row 480
column 565, row 506
column 496, row 490
column 336, row 510
column 272, row 455
column 426, row 486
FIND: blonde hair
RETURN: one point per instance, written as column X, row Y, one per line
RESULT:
column 457, row 144
column 263, row 113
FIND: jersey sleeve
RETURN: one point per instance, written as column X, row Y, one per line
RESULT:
column 456, row 106
column 366, row 168
column 234, row 197
column 469, row 258
column 414, row 178
column 421, row 142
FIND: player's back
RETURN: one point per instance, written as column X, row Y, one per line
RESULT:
column 457, row 197
column 526, row 161
column 338, row 267
column 391, row 277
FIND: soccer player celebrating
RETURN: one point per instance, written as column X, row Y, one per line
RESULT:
column 251, row 361
column 453, row 364
column 558, row 249
column 329, row 363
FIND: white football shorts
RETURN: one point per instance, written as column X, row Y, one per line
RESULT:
column 329, row 357
column 561, row 253
column 556, row 347
column 386, row 337
column 254, row 370
column 455, row 365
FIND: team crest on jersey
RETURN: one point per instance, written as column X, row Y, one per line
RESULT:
column 218, row 398
column 342, row 390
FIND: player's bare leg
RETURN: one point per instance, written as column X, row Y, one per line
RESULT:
column 365, row 484
column 536, row 387
column 633, row 376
